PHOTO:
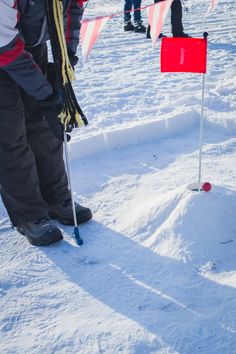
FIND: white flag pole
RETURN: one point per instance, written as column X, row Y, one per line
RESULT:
column 199, row 186
column 201, row 134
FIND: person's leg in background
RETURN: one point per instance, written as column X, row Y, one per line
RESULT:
column 176, row 19
column 138, row 26
column 137, row 13
column 132, row 5
column 128, row 25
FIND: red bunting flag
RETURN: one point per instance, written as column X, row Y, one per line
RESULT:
column 212, row 5
column 90, row 30
column 184, row 55
column 156, row 17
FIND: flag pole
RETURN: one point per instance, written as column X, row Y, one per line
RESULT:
column 205, row 34
column 201, row 134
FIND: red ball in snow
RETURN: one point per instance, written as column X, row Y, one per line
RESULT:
column 206, row 186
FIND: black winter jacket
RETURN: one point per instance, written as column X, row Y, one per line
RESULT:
column 23, row 25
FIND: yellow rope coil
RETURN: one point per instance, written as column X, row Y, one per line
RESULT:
column 66, row 68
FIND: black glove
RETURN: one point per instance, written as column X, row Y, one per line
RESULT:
column 73, row 58
column 51, row 107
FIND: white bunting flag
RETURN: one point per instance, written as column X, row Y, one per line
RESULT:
column 89, row 32
column 156, row 17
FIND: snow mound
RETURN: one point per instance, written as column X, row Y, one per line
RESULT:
column 193, row 226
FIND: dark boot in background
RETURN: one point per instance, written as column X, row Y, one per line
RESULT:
column 128, row 26
column 63, row 212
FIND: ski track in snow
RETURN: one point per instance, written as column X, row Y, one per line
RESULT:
column 157, row 271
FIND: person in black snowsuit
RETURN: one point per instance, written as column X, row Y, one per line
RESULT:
column 176, row 20
column 33, row 180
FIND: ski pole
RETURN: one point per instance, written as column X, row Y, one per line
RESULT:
column 185, row 7
column 76, row 233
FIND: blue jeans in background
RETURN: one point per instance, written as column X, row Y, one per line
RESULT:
column 131, row 5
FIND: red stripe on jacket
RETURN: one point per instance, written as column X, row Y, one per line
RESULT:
column 10, row 55
column 68, row 23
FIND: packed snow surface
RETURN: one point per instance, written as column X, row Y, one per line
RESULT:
column 157, row 271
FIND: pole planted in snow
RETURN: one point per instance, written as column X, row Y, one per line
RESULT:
column 78, row 239
column 201, row 134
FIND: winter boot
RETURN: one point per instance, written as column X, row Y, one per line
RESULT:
column 128, row 26
column 181, row 34
column 40, row 232
column 139, row 28
column 63, row 212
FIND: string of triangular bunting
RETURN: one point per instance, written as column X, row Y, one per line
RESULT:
column 156, row 13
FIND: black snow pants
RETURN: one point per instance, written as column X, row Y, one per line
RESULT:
column 176, row 16
column 32, row 171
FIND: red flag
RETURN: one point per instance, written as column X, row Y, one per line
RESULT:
column 184, row 55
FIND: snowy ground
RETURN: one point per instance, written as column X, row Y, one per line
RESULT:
column 157, row 271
